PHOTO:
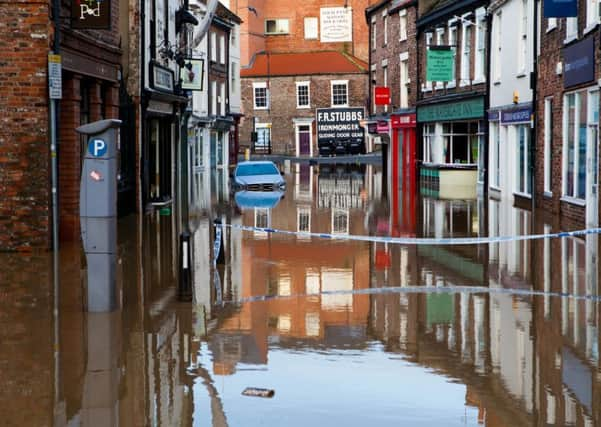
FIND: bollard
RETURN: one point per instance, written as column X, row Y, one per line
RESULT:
column 185, row 272
column 247, row 154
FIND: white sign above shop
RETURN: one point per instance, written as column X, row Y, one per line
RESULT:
column 336, row 24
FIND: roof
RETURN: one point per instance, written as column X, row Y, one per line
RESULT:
column 224, row 13
column 305, row 63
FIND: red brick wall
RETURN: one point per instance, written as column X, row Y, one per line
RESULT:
column 253, row 28
column 550, row 84
column 283, row 106
column 24, row 149
column 391, row 52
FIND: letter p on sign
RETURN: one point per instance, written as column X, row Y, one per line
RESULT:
column 97, row 147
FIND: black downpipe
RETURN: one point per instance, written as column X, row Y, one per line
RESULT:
column 485, row 146
column 533, row 130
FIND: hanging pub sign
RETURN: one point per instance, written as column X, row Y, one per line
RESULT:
column 192, row 74
column 91, row 14
column 560, row 8
column 440, row 63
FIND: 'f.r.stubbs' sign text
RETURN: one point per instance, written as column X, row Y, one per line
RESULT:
column 339, row 123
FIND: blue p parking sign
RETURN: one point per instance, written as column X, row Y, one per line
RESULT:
column 97, row 147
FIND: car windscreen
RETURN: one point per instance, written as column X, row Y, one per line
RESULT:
column 257, row 169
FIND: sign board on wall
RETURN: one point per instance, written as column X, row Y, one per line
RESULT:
column 192, row 74
column 520, row 115
column 579, row 63
column 560, row 8
column 336, row 24
column 440, row 64
column 339, row 123
column 460, row 110
column 91, row 14
column 55, row 80
column 382, row 95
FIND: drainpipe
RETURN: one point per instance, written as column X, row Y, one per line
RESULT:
column 487, row 100
column 533, row 87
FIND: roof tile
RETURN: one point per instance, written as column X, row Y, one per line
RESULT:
column 305, row 63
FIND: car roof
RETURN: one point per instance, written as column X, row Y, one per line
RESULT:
column 257, row 162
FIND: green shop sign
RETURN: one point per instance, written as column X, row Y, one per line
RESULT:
column 461, row 110
column 439, row 64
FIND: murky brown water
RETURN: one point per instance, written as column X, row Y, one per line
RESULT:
column 336, row 328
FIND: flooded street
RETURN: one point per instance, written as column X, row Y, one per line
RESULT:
column 345, row 332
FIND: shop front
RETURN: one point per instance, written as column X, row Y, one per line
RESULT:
column 453, row 136
column 403, row 172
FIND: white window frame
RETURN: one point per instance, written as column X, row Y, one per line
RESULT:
column 374, row 74
column 222, row 49
column 439, row 41
column 306, row 84
column 480, row 47
column 260, row 85
column 498, row 43
column 338, row 83
column 311, row 26
column 403, row 25
column 551, row 24
column 374, row 33
column 495, row 154
column 429, row 37
column 213, row 98
column 404, row 80
column 277, row 22
column 466, row 52
column 385, row 25
column 222, row 95
column 213, row 47
column 526, row 172
column 548, row 140
column 385, row 79
column 452, row 41
column 571, row 29
column 592, row 15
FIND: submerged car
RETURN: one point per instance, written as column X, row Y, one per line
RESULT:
column 258, row 176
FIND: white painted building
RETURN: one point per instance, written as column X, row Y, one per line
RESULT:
column 510, row 111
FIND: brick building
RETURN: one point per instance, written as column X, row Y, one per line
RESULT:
column 271, row 34
column 451, row 115
column 393, row 66
column 285, row 123
column 566, row 157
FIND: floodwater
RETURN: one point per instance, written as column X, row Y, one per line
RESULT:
column 343, row 332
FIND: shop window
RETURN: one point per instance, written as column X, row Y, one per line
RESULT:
column 523, row 175
column 461, row 142
column 577, row 125
column 429, row 135
column 495, row 136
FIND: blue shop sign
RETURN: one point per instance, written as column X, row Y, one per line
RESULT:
column 493, row 116
column 560, row 8
column 579, row 63
column 521, row 115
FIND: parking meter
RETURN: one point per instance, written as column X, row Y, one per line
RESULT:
column 98, row 212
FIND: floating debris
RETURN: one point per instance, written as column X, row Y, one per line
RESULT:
column 258, row 392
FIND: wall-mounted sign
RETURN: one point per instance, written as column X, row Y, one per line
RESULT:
column 403, row 121
column 372, row 128
column 382, row 95
column 336, row 24
column 192, row 74
column 440, row 64
column 494, row 115
column 560, row 8
column 579, row 63
column 519, row 115
column 383, row 127
column 161, row 78
column 460, row 110
column 91, row 14
column 339, row 124
column 55, row 80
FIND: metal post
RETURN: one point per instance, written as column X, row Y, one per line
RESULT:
column 53, row 166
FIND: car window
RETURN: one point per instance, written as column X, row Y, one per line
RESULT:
column 257, row 169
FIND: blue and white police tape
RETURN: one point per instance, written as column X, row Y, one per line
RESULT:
column 475, row 290
column 417, row 240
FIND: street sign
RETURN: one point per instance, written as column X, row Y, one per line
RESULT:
column 55, row 85
column 382, row 95
column 560, row 8
column 97, row 147
column 440, row 64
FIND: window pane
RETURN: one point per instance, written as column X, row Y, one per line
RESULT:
column 571, row 111
column 582, row 128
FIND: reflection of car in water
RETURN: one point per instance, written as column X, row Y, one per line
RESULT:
column 258, row 176
column 258, row 199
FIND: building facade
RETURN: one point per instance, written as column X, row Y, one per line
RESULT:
column 286, row 122
column 567, row 145
column 451, row 114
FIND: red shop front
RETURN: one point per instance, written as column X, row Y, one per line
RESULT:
column 403, row 173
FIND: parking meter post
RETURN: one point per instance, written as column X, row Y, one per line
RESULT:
column 98, row 213
column 185, row 272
